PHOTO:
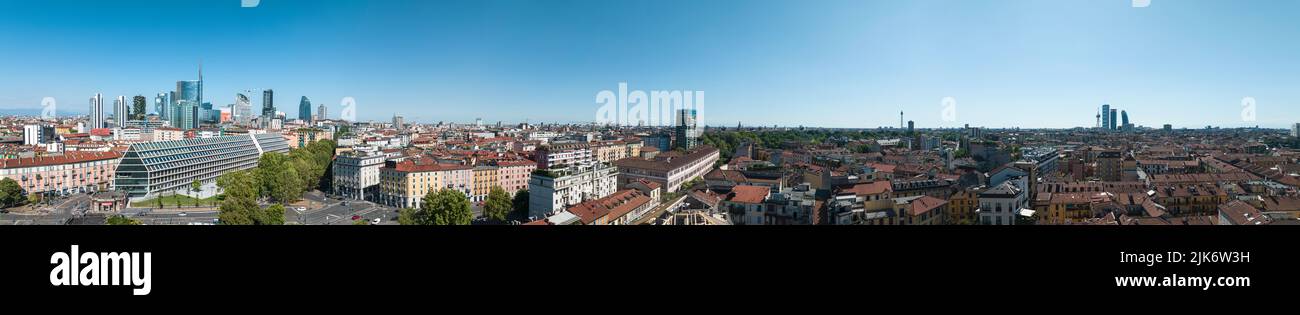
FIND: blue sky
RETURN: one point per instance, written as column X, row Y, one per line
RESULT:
column 856, row 63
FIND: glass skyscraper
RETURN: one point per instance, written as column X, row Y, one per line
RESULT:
column 304, row 109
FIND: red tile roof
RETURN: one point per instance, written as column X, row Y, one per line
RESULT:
column 66, row 158
column 872, row 188
column 748, row 194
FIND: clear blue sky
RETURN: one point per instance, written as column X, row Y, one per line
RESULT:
column 855, row 63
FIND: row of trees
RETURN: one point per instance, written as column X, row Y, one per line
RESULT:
column 278, row 178
column 450, row 207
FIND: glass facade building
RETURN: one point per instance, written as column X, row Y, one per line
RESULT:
column 147, row 169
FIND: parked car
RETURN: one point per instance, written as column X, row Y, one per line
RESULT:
column 375, row 221
column 356, row 217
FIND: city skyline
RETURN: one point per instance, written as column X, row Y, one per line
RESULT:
column 825, row 64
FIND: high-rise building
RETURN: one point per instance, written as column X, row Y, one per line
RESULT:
column 1169, row 127
column 911, row 127
column 1295, row 130
column 119, row 110
column 242, row 113
column 322, row 112
column 187, row 115
column 1105, row 116
column 1114, row 117
column 1124, row 120
column 138, row 107
column 188, row 91
column 304, row 109
column 96, row 119
column 399, row 122
column 161, row 104
column 268, row 107
column 687, row 131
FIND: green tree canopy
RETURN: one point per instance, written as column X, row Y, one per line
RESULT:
column 444, row 207
column 498, row 204
column 10, row 193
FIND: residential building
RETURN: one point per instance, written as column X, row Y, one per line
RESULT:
column 550, row 190
column 485, row 177
column 356, row 175
column 72, row 172
column 405, row 183
column 620, row 208
column 513, row 175
column 1001, row 204
column 670, row 169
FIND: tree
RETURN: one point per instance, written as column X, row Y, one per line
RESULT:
column 196, row 187
column 240, row 204
column 273, row 215
column 10, row 193
column 444, row 207
column 122, row 220
column 498, row 204
column 406, row 216
column 361, row 222
column 520, row 203
column 279, row 180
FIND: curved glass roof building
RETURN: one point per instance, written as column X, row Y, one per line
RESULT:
column 149, row 168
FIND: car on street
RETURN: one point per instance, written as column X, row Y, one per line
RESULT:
column 182, row 214
column 356, row 217
column 375, row 221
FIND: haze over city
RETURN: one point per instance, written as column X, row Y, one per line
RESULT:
column 822, row 63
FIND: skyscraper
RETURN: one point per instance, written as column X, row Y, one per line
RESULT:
column 322, row 112
column 398, row 122
column 268, row 104
column 304, row 109
column 1295, row 130
column 138, row 104
column 687, row 133
column 96, row 119
column 1124, row 118
column 119, row 110
column 243, row 111
column 161, row 104
column 1105, row 116
column 1114, row 117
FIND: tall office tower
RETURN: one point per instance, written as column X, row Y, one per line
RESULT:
column 687, row 131
column 138, row 105
column 268, row 105
column 1105, row 116
column 188, row 115
column 399, row 122
column 161, row 104
column 1124, row 119
column 119, row 110
column 243, row 111
column 1295, row 131
column 96, row 119
column 911, row 127
column 322, row 112
column 1114, row 118
column 188, row 91
column 304, row 109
